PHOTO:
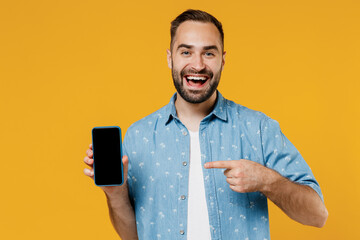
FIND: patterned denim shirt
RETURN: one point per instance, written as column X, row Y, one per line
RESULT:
column 158, row 147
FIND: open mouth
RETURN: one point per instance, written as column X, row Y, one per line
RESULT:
column 196, row 80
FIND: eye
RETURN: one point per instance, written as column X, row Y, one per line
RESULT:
column 209, row 54
column 186, row 53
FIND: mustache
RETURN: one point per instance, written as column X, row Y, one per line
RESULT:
column 207, row 72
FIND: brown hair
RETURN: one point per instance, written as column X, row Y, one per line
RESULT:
column 198, row 16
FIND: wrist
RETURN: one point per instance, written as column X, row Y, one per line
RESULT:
column 117, row 200
column 271, row 181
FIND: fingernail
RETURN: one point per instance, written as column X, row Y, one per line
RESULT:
column 88, row 171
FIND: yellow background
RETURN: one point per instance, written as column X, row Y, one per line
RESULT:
column 67, row 66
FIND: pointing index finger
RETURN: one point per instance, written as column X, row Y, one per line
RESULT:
column 219, row 164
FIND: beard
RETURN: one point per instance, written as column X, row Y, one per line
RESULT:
column 195, row 96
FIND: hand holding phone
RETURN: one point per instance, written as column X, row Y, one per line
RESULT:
column 116, row 190
column 117, row 198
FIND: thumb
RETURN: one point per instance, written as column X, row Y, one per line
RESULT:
column 125, row 161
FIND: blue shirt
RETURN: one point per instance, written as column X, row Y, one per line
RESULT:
column 158, row 147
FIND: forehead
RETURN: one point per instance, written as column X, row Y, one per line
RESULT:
column 197, row 34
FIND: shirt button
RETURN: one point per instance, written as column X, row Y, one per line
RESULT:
column 182, row 232
column 184, row 163
column 184, row 133
column 183, row 197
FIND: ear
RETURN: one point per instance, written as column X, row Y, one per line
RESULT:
column 168, row 53
column 223, row 59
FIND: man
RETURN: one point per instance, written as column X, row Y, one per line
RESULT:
column 202, row 167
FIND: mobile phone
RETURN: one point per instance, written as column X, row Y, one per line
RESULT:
column 107, row 155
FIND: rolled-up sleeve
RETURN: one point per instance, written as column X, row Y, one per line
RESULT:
column 281, row 155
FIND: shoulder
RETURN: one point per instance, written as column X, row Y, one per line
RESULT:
column 253, row 119
column 245, row 114
column 148, row 123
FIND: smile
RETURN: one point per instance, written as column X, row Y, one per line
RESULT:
column 196, row 80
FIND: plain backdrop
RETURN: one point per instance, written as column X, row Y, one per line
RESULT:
column 67, row 66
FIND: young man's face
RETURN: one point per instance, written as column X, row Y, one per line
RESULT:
column 196, row 60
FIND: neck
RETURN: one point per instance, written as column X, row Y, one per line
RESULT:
column 191, row 114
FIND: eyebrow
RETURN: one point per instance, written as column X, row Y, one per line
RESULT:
column 191, row 46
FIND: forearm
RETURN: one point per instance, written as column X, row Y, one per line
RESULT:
column 301, row 203
column 122, row 217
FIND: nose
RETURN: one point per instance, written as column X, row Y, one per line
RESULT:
column 198, row 63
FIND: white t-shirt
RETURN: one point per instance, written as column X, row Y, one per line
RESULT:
column 198, row 227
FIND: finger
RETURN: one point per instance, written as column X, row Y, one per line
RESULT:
column 90, row 146
column 89, row 153
column 239, row 189
column 234, row 172
column 89, row 172
column 89, row 161
column 125, row 161
column 234, row 181
column 230, row 181
column 226, row 172
column 220, row 164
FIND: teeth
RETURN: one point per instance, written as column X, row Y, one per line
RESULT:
column 196, row 78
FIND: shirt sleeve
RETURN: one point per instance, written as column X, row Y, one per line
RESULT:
column 282, row 156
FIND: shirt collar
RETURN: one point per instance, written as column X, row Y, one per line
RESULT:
column 219, row 111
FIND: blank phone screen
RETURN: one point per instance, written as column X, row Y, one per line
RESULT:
column 107, row 155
